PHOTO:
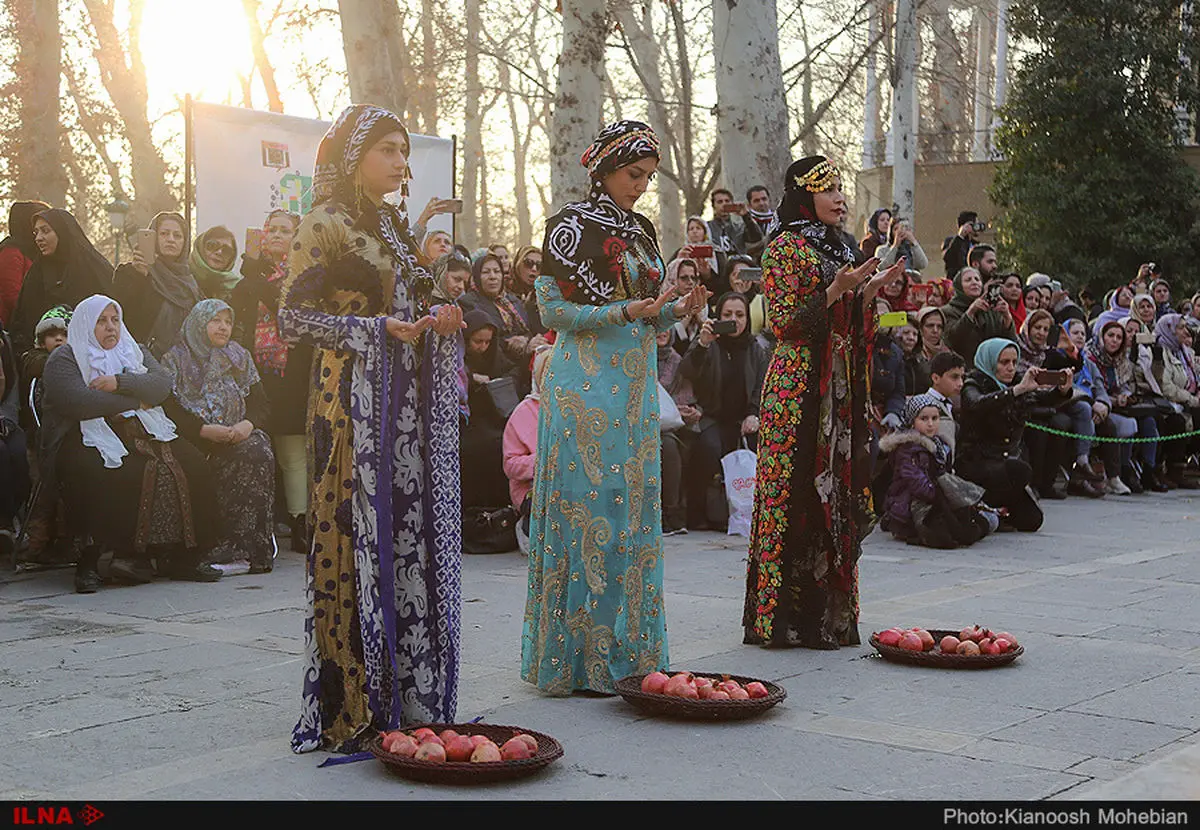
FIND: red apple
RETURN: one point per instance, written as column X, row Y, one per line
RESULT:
column 515, row 749
column 486, row 753
column 429, row 751
column 655, row 683
column 459, row 748
column 530, row 741
column 756, row 690
column 949, row 644
column 890, row 637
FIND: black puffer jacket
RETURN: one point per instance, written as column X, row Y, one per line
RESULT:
column 993, row 418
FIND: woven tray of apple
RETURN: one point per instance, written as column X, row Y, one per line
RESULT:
column 971, row 647
column 700, row 696
column 462, row 753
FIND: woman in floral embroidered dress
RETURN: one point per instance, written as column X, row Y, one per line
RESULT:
column 812, row 503
column 382, row 635
column 594, row 611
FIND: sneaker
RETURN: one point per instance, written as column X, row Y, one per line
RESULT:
column 1116, row 487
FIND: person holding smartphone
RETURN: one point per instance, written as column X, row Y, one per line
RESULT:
column 902, row 242
column 158, row 291
column 976, row 314
column 744, row 278
column 995, row 407
column 726, row 365
column 732, row 231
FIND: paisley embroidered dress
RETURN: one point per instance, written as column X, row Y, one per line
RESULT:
column 594, row 611
column 811, row 503
column 382, row 633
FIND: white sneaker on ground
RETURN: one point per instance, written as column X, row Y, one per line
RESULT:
column 1117, row 487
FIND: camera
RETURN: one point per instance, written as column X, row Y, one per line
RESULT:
column 979, row 226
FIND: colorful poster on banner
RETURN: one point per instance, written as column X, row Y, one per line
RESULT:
column 248, row 163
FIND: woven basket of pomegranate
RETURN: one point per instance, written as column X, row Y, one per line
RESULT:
column 700, row 695
column 465, row 753
column 968, row 648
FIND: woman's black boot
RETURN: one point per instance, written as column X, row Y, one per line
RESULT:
column 87, row 577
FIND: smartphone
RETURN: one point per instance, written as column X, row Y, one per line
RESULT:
column 993, row 294
column 1050, row 377
column 145, row 244
column 454, row 205
column 724, row 327
column 750, row 274
column 702, row 251
column 1144, row 338
column 735, row 207
column 893, row 319
column 254, row 238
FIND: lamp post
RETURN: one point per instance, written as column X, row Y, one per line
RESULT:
column 116, row 218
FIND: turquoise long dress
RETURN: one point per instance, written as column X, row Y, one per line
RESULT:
column 594, row 611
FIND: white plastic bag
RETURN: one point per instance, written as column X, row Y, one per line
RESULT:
column 739, row 467
column 669, row 418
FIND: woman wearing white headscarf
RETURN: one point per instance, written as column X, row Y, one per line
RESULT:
column 127, row 477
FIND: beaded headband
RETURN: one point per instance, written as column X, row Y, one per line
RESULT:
column 638, row 142
column 819, row 179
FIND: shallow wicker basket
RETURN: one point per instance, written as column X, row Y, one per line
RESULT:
column 466, row 772
column 938, row 660
column 630, row 688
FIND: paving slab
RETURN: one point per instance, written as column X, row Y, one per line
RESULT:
column 182, row 691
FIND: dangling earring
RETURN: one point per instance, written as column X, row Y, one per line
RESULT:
column 358, row 189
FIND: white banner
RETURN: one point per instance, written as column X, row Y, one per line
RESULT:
column 248, row 163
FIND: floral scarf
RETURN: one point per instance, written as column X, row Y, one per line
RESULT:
column 211, row 383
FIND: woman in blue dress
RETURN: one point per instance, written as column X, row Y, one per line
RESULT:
column 594, row 611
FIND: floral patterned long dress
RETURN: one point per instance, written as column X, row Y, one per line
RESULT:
column 812, row 505
column 382, row 633
column 594, row 611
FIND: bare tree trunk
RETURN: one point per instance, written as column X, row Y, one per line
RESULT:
column 429, row 75
column 369, row 38
column 469, row 225
column 39, row 171
column 904, row 93
column 92, row 126
column 485, row 219
column 982, row 98
column 947, row 89
column 520, row 147
column 579, row 99
column 261, row 62
column 124, row 77
column 752, row 113
column 645, row 47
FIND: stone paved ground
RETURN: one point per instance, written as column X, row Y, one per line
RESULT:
column 182, row 691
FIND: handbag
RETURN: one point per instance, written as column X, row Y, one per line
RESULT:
column 489, row 530
column 669, row 418
column 502, row 392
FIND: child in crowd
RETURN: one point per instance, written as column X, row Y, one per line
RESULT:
column 947, row 371
column 51, row 332
column 926, row 503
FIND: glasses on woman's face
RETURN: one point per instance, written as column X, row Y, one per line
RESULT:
column 218, row 247
column 531, row 264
